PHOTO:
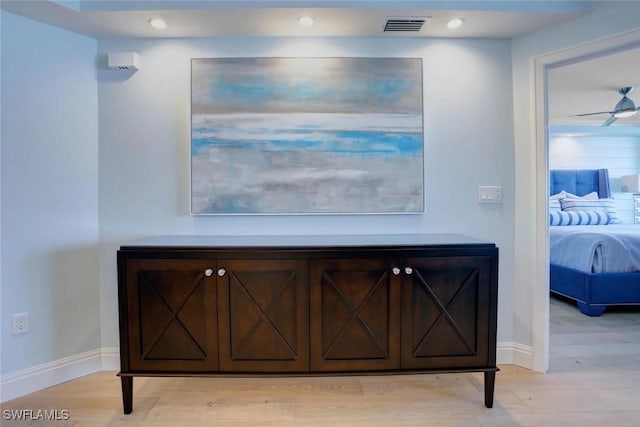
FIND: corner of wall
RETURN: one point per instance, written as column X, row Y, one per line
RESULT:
column 512, row 353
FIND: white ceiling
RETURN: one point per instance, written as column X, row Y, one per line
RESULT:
column 268, row 18
column 592, row 86
column 577, row 88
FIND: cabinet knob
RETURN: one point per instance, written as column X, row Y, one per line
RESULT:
column 208, row 272
column 222, row 272
column 408, row 270
column 395, row 271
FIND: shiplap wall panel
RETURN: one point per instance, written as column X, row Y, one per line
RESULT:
column 621, row 155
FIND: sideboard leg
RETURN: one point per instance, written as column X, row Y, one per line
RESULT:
column 489, row 385
column 127, row 394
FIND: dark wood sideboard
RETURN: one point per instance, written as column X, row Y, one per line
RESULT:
column 307, row 305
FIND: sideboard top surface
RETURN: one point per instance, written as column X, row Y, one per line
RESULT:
column 307, row 241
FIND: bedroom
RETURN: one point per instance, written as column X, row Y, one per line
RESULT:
column 582, row 143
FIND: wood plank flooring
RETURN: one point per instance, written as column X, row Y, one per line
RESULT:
column 594, row 380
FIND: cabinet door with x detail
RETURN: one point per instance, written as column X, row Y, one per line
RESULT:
column 446, row 303
column 354, row 315
column 171, row 315
column 263, row 315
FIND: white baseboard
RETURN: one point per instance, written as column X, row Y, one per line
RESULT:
column 512, row 353
column 48, row 374
column 69, row 368
column 110, row 359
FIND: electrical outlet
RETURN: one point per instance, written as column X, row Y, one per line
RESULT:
column 20, row 323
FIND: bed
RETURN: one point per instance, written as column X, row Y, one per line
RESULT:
column 595, row 265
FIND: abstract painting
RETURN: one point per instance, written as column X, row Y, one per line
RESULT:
column 306, row 136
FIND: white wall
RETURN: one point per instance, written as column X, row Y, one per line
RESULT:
column 530, row 260
column 53, row 207
column 619, row 154
column 49, row 193
column 144, row 123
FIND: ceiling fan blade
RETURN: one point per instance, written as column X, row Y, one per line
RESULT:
column 610, row 120
column 592, row 114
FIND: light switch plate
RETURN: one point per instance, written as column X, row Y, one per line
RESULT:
column 490, row 194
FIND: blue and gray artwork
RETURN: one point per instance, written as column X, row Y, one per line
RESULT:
column 306, row 135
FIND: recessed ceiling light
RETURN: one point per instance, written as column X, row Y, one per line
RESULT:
column 158, row 23
column 306, row 21
column 455, row 23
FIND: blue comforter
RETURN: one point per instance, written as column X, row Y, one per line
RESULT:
column 613, row 248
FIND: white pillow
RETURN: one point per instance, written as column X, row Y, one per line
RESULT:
column 554, row 205
column 589, row 196
column 565, row 195
column 607, row 205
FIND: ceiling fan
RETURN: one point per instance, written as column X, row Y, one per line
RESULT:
column 624, row 108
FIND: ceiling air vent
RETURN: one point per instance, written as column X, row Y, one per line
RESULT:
column 404, row 25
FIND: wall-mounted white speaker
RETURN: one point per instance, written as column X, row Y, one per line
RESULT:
column 123, row 60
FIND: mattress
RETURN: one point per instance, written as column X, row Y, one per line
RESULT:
column 613, row 248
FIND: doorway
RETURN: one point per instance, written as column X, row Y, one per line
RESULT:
column 543, row 65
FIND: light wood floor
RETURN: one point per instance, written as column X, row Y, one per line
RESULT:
column 594, row 380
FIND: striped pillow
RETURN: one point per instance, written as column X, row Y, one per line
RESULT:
column 554, row 205
column 579, row 218
column 607, row 205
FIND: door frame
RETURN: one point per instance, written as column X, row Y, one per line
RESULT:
column 541, row 65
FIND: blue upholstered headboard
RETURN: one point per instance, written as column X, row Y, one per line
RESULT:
column 580, row 182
